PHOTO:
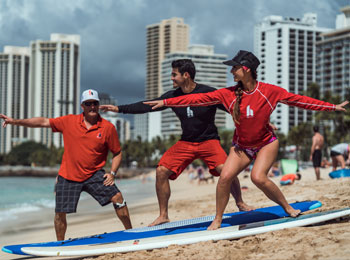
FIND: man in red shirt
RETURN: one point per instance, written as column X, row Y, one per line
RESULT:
column 87, row 139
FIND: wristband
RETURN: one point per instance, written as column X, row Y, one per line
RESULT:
column 113, row 173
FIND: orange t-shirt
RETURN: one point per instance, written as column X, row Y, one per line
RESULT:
column 290, row 176
column 85, row 150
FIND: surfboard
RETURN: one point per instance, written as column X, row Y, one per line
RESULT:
column 231, row 232
column 177, row 227
column 340, row 173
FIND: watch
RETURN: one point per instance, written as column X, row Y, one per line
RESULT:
column 113, row 173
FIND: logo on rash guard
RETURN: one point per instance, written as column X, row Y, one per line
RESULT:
column 189, row 112
column 250, row 112
column 99, row 136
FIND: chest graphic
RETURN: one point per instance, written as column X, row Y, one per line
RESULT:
column 249, row 112
column 189, row 112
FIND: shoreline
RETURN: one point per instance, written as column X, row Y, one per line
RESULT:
column 46, row 171
column 189, row 200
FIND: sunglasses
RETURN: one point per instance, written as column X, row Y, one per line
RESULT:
column 90, row 103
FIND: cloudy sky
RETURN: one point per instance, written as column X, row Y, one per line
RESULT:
column 113, row 41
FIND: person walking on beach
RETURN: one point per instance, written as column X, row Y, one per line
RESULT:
column 87, row 139
column 199, row 139
column 340, row 154
column 251, row 103
column 316, row 151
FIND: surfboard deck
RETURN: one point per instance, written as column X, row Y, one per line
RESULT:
column 232, row 232
column 171, row 228
column 340, row 173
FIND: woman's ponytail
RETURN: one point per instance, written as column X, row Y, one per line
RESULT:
column 236, row 109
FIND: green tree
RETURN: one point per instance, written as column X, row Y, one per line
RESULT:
column 338, row 121
column 24, row 153
column 301, row 136
column 313, row 90
column 226, row 139
column 282, row 138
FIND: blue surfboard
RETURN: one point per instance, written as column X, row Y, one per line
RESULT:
column 340, row 173
column 177, row 227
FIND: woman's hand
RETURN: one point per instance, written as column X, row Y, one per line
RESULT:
column 155, row 104
column 341, row 106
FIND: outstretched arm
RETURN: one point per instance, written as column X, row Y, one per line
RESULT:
column 135, row 108
column 29, row 122
column 306, row 102
column 198, row 99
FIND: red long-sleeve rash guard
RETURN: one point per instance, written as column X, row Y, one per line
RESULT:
column 256, row 107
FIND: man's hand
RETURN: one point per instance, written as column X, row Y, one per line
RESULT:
column 155, row 104
column 109, row 179
column 112, row 108
column 7, row 120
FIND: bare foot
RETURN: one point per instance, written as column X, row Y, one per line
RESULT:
column 293, row 212
column 244, row 207
column 158, row 221
column 215, row 224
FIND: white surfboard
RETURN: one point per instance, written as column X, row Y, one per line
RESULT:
column 232, row 232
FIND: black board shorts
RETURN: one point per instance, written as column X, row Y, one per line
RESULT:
column 68, row 192
column 317, row 158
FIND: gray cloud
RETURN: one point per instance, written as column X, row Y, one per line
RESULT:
column 113, row 31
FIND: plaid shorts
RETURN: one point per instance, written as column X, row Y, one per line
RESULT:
column 68, row 192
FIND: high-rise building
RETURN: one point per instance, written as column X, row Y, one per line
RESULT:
column 287, row 51
column 14, row 93
column 122, row 125
column 209, row 71
column 54, row 82
column 147, row 126
column 333, row 57
column 168, row 36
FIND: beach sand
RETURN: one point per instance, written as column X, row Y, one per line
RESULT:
column 188, row 200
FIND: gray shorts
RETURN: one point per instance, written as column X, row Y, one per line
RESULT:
column 68, row 192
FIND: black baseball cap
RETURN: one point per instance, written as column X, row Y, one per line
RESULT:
column 244, row 58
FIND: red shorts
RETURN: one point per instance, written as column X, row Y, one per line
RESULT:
column 181, row 154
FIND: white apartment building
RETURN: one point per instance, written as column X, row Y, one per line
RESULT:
column 333, row 57
column 209, row 71
column 14, row 93
column 54, row 82
column 147, row 126
column 122, row 125
column 169, row 35
column 287, row 51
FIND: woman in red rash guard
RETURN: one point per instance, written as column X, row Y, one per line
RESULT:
column 251, row 103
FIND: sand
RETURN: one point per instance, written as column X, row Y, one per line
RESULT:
column 327, row 241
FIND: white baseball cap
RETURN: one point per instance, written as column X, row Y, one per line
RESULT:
column 89, row 94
